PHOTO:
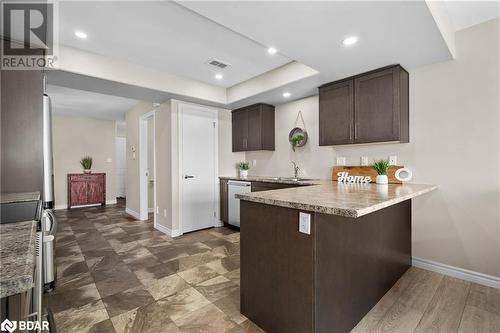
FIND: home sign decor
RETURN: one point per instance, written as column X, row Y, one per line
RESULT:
column 343, row 177
column 362, row 174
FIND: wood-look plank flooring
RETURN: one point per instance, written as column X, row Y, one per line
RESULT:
column 424, row 302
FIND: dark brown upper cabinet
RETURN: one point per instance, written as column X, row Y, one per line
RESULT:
column 336, row 114
column 253, row 128
column 366, row 108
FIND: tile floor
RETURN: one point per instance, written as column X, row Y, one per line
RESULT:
column 117, row 274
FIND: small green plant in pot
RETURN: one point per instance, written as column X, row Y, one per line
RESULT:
column 243, row 167
column 296, row 140
column 382, row 166
column 86, row 163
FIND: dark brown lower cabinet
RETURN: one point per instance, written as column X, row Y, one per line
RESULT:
column 224, row 207
column 322, row 282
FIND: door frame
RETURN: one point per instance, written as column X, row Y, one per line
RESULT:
column 180, row 122
column 143, row 163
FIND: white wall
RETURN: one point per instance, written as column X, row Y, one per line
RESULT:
column 75, row 137
column 454, row 142
column 227, row 159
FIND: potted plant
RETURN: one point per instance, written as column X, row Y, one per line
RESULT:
column 382, row 167
column 243, row 167
column 86, row 163
column 296, row 140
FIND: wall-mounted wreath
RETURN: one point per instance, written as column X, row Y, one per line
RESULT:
column 298, row 135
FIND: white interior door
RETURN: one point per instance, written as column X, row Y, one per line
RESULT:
column 121, row 166
column 198, row 166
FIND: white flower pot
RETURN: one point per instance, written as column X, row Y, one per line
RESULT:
column 382, row 180
column 243, row 173
column 87, row 171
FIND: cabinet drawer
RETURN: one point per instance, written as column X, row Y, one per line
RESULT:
column 85, row 178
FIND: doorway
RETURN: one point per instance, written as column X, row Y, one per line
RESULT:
column 198, row 167
column 147, row 166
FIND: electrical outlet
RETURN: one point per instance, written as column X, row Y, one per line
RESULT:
column 393, row 160
column 109, row 160
column 165, row 212
column 254, row 162
column 364, row 160
column 157, row 209
column 305, row 223
column 341, row 161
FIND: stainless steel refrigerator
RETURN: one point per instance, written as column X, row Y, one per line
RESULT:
column 49, row 221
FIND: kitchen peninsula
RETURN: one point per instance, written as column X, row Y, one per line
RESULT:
column 354, row 243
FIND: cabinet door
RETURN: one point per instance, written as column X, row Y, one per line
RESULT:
column 240, row 130
column 95, row 190
column 78, row 189
column 254, row 138
column 223, row 201
column 336, row 114
column 376, row 105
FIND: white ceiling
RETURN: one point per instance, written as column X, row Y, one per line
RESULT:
column 464, row 14
column 73, row 102
column 312, row 32
column 165, row 36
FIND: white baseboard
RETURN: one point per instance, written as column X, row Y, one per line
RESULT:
column 456, row 272
column 168, row 231
column 133, row 213
column 108, row 202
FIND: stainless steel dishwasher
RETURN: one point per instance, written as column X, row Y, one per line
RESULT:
column 236, row 187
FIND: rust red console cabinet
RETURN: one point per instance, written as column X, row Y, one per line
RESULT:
column 86, row 189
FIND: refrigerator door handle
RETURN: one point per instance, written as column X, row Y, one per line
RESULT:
column 53, row 220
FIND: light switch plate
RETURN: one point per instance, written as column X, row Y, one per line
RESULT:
column 393, row 160
column 109, row 160
column 254, row 162
column 305, row 223
column 364, row 160
column 341, row 161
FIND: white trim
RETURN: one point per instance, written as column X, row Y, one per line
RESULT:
column 168, row 231
column 180, row 116
column 143, row 183
column 456, row 272
column 151, row 210
column 133, row 213
column 61, row 207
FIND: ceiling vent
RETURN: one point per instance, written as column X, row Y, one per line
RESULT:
column 218, row 63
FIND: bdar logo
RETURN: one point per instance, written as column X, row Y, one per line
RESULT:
column 8, row 326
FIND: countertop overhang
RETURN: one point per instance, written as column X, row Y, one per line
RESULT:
column 330, row 197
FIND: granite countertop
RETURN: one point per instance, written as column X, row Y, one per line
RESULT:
column 19, row 197
column 329, row 197
column 17, row 257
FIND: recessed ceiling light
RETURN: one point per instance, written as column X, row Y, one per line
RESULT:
column 272, row 50
column 219, row 76
column 286, row 94
column 81, row 34
column 350, row 40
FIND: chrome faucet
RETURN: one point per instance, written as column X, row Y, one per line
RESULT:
column 295, row 170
